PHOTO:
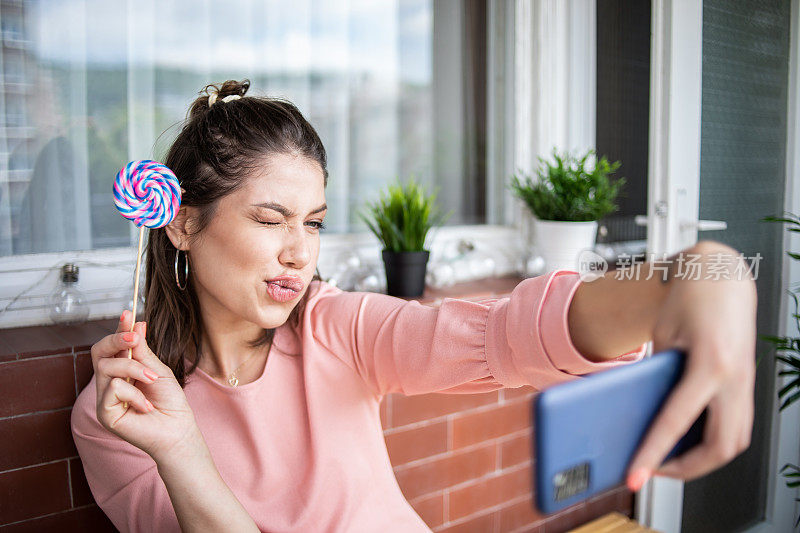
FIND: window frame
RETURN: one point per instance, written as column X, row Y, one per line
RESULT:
column 106, row 275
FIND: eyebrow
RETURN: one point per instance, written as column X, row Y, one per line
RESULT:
column 285, row 211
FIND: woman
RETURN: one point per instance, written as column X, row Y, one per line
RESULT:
column 261, row 408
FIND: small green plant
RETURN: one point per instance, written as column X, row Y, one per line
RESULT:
column 790, row 393
column 565, row 189
column 402, row 217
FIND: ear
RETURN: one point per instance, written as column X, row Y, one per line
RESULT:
column 178, row 230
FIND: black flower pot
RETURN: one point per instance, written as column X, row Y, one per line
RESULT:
column 405, row 272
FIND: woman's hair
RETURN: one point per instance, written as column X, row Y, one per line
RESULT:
column 216, row 151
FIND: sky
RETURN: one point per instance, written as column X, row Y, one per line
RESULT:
column 258, row 35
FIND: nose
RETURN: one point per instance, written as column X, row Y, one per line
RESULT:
column 296, row 251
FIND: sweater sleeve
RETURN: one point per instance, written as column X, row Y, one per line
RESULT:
column 461, row 346
column 123, row 479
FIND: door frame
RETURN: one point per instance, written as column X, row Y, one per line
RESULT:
column 673, row 182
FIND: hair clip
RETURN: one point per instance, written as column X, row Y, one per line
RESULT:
column 212, row 98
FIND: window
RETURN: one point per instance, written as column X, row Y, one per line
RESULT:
column 394, row 88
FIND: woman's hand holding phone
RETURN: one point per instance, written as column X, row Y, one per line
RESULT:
column 714, row 321
column 158, row 418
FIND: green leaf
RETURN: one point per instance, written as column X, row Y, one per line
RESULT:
column 788, row 219
column 569, row 188
column 778, row 219
column 403, row 216
column 793, row 398
column 791, row 361
column 795, row 383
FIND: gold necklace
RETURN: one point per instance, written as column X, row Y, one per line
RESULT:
column 233, row 381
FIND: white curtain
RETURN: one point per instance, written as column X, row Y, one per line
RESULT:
column 96, row 83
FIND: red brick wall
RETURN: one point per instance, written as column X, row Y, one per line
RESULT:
column 42, row 486
column 462, row 461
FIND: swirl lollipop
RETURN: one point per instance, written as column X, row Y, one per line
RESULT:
column 148, row 193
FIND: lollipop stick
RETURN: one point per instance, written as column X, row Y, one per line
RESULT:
column 135, row 296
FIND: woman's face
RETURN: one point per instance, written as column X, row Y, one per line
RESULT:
column 265, row 229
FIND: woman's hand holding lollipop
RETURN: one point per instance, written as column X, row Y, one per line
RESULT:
column 158, row 419
column 165, row 429
column 147, row 193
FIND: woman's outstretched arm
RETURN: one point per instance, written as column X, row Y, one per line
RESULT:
column 710, row 312
column 459, row 346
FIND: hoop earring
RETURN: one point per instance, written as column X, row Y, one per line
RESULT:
column 185, row 270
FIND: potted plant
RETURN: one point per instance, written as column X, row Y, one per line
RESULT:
column 567, row 198
column 401, row 219
column 790, row 346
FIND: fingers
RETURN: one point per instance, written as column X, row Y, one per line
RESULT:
column 117, row 344
column 682, row 407
column 110, row 408
column 115, row 347
column 721, row 443
column 111, row 345
column 727, row 433
column 125, row 320
column 125, row 368
column 143, row 353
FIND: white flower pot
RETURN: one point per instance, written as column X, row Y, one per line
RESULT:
column 560, row 243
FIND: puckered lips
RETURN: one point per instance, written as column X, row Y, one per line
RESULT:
column 284, row 288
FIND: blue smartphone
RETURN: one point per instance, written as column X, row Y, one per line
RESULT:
column 586, row 431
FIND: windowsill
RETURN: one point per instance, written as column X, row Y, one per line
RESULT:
column 37, row 341
column 106, row 275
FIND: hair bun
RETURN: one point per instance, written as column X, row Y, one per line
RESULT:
column 228, row 88
column 213, row 92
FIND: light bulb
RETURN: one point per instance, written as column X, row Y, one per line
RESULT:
column 67, row 304
column 440, row 275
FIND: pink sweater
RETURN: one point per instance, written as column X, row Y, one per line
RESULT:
column 302, row 447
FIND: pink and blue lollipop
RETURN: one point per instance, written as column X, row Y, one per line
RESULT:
column 148, row 193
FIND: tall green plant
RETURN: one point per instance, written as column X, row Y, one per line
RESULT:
column 402, row 217
column 790, row 346
column 567, row 189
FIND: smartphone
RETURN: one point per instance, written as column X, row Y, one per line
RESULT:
column 586, row 431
